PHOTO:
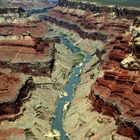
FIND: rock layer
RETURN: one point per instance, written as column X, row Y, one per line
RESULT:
column 14, row 90
column 15, row 133
column 117, row 93
column 129, row 13
column 36, row 59
column 23, row 49
column 87, row 24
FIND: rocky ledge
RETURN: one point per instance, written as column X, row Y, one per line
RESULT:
column 117, row 93
column 23, row 49
column 129, row 13
column 29, row 55
column 14, row 90
column 86, row 24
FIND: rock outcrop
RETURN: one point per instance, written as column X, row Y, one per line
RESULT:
column 117, row 93
column 137, row 21
column 23, row 49
column 87, row 24
column 6, row 10
column 25, row 55
column 14, row 89
column 74, row 27
column 37, row 57
column 129, row 13
column 132, row 62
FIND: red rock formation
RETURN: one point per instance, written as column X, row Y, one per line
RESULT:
column 7, row 90
column 117, row 55
column 16, row 133
column 90, row 22
column 136, row 88
column 16, row 57
column 14, row 90
column 35, row 27
column 117, row 93
column 23, row 49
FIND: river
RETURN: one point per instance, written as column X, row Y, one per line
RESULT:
column 64, row 103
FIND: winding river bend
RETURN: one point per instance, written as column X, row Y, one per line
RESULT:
column 69, row 88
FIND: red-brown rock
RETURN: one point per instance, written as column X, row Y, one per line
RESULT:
column 14, row 88
column 117, row 93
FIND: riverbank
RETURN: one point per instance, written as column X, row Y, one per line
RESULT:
column 81, row 122
column 86, row 45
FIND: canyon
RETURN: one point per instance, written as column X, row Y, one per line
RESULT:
column 116, row 93
column 69, row 71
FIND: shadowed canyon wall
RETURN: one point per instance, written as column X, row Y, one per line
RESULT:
column 119, row 12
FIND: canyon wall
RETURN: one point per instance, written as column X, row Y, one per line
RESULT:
column 14, row 90
column 119, row 12
column 74, row 27
column 116, row 94
column 87, row 24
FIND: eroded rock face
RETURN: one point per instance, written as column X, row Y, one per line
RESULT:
column 61, row 2
column 23, row 49
column 119, row 12
column 14, row 133
column 87, row 24
column 83, row 34
column 132, row 62
column 137, row 21
column 27, row 59
column 117, row 93
column 14, row 89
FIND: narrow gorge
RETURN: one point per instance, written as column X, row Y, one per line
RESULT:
column 69, row 70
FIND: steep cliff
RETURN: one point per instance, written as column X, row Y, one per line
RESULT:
column 87, row 24
column 23, row 49
column 128, row 13
column 14, row 90
column 116, row 94
column 76, row 28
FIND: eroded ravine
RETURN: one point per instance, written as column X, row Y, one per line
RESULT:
column 63, row 103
